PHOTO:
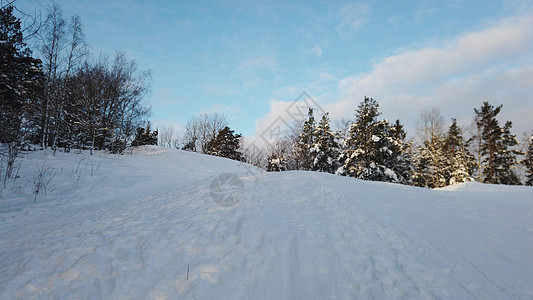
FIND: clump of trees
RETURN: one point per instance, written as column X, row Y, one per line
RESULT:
column 65, row 98
column 371, row 148
column 205, row 133
column 61, row 97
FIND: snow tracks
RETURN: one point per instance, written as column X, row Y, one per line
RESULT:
column 293, row 235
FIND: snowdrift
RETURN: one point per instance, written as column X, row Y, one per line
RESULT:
column 149, row 225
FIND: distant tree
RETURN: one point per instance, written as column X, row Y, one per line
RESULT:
column 276, row 163
column 145, row 136
column 325, row 150
column 168, row 137
column 370, row 151
column 305, row 142
column 399, row 159
column 356, row 161
column 225, row 144
column 459, row 162
column 279, row 152
column 201, row 129
column 499, row 157
column 430, row 160
column 507, row 156
column 528, row 161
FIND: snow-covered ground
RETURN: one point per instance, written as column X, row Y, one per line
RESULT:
column 144, row 226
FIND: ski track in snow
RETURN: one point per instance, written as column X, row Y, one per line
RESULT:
column 294, row 235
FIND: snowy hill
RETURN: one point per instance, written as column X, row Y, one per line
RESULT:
column 149, row 225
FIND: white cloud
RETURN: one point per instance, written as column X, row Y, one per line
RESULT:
column 283, row 116
column 317, row 51
column 494, row 65
column 352, row 16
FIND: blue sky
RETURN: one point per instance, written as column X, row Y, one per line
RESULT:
column 251, row 59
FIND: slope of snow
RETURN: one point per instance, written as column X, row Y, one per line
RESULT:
column 143, row 225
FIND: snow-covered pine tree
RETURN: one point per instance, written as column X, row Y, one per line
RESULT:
column 355, row 159
column 144, row 136
column 506, row 156
column 276, row 163
column 422, row 167
column 528, row 162
column 325, row 149
column 499, row 158
column 459, row 162
column 369, row 148
column 225, row 144
column 400, row 160
column 305, row 142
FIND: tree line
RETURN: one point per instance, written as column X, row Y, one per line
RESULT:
column 374, row 149
column 371, row 148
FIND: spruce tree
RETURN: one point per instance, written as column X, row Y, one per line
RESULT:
column 22, row 79
column 498, row 157
column 144, row 136
column 276, row 163
column 422, row 168
column 528, row 162
column 370, row 152
column 325, row 149
column 305, row 142
column 400, row 158
column 357, row 157
column 459, row 162
column 506, row 156
column 225, row 144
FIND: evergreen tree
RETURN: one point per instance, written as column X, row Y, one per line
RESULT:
column 357, row 156
column 276, row 163
column 496, row 148
column 325, row 150
column 145, row 136
column 370, row 152
column 22, row 79
column 459, row 162
column 400, row 158
column 305, row 142
column 225, row 144
column 506, row 156
column 528, row 162
column 423, row 168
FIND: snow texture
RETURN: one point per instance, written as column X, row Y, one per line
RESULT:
column 142, row 226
